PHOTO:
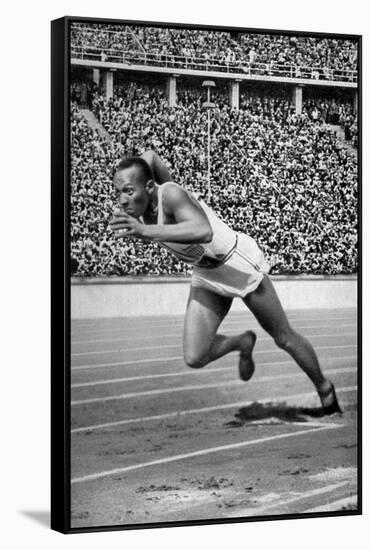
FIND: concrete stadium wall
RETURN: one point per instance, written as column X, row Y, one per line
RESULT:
column 127, row 297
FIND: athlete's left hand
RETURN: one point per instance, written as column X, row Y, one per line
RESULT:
column 125, row 225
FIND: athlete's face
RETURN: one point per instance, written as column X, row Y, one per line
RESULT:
column 132, row 192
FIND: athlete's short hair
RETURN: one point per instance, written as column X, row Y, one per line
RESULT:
column 136, row 161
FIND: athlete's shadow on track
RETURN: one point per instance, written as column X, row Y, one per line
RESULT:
column 274, row 412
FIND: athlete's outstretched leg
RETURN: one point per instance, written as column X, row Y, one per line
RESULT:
column 205, row 312
column 266, row 306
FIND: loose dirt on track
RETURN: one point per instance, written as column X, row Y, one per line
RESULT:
column 153, row 441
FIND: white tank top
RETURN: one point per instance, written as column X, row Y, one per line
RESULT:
column 212, row 254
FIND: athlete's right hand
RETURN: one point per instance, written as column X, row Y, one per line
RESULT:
column 125, row 225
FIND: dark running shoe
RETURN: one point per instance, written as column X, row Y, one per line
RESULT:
column 334, row 406
column 246, row 365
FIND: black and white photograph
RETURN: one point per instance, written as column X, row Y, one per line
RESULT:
column 213, row 252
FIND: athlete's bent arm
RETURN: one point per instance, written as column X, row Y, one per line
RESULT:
column 191, row 224
column 158, row 167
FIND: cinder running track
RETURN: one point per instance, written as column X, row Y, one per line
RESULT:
column 155, row 441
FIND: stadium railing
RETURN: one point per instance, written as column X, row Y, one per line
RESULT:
column 130, row 57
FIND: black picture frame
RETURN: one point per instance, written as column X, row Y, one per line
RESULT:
column 61, row 269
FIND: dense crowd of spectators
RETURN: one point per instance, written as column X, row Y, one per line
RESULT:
column 94, row 250
column 349, row 121
column 96, row 38
column 286, row 180
column 321, row 58
column 340, row 113
column 270, row 54
column 82, row 92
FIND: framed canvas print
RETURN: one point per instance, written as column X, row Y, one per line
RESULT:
column 205, row 296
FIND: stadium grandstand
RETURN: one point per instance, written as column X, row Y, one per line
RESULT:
column 282, row 161
column 251, row 53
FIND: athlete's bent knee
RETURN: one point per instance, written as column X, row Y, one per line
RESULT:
column 194, row 361
column 283, row 339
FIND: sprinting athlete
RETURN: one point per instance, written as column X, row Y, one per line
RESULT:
column 227, row 265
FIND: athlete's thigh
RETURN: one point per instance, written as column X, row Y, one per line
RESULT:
column 205, row 311
column 266, row 306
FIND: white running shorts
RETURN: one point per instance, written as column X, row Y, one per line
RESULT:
column 239, row 275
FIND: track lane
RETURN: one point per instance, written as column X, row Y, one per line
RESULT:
column 217, row 487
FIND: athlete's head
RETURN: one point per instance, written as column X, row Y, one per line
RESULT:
column 134, row 183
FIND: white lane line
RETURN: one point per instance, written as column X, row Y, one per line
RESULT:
column 130, row 325
column 243, row 317
column 335, row 505
column 177, row 333
column 224, row 384
column 88, row 323
column 125, row 363
column 186, row 412
column 165, row 346
column 189, row 372
column 180, row 358
column 201, row 452
column 261, row 510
